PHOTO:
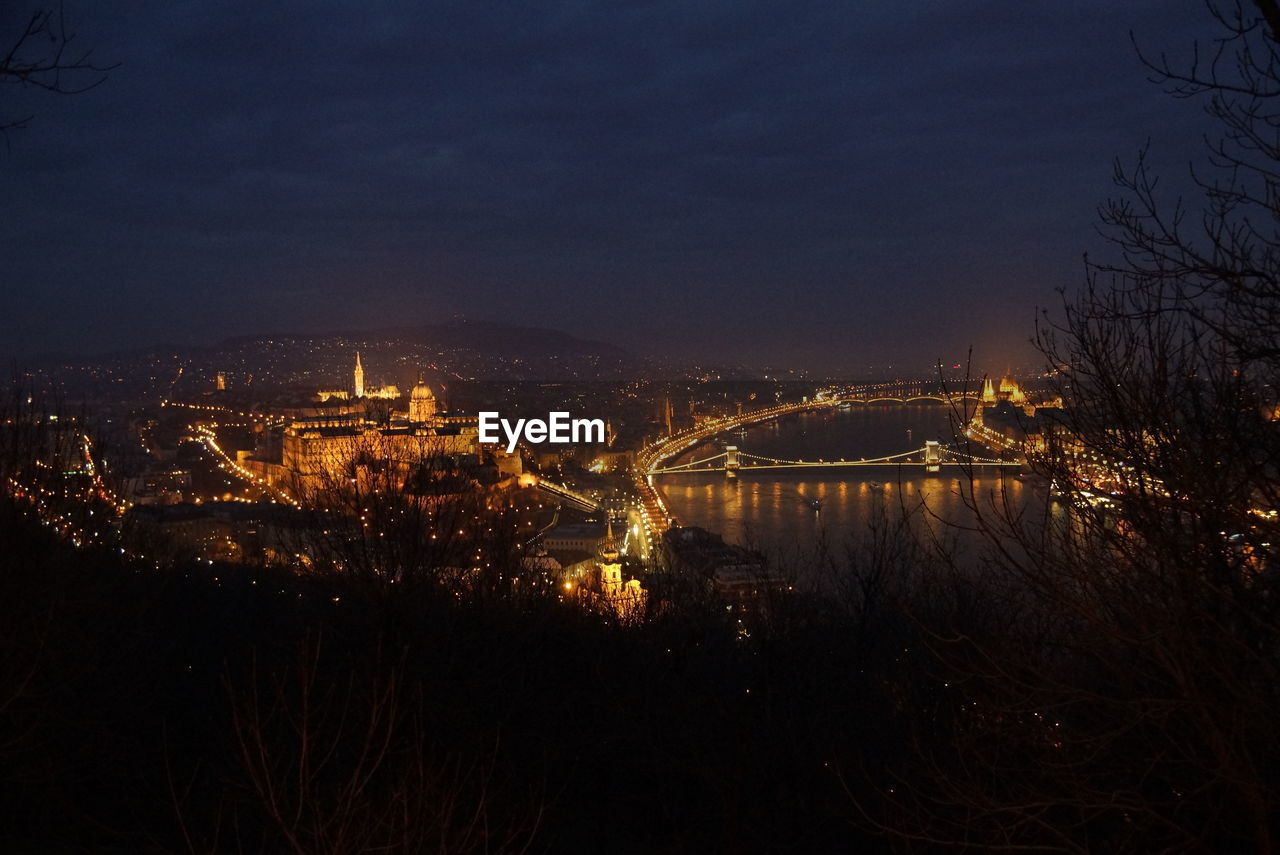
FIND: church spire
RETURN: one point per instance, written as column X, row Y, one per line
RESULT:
column 610, row 566
column 610, row 551
column 359, row 377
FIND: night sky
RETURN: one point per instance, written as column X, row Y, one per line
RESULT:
column 825, row 184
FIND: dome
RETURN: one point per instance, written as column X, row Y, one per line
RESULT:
column 422, row 392
column 422, row 403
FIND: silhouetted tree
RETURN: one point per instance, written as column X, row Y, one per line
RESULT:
column 40, row 55
column 1106, row 679
column 339, row 757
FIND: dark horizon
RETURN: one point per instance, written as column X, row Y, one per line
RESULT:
column 819, row 188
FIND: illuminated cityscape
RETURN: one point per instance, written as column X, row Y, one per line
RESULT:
column 578, row 428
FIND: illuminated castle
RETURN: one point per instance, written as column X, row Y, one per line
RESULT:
column 321, row 447
column 318, row 452
column 423, row 408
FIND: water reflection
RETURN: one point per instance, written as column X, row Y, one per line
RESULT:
column 773, row 508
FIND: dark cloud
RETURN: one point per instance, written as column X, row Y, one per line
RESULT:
column 787, row 181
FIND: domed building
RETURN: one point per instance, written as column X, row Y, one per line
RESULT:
column 1007, row 390
column 1010, row 391
column 422, row 403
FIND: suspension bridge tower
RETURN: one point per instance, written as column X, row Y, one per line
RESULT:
column 731, row 461
column 932, row 456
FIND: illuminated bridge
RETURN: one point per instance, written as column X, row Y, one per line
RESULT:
column 651, row 458
column 933, row 457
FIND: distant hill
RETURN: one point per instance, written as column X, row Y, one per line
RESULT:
column 457, row 350
column 491, row 337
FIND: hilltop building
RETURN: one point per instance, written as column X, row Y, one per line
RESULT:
column 316, row 448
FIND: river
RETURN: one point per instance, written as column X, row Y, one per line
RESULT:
column 774, row 509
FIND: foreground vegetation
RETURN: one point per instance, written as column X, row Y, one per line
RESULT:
column 231, row 708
